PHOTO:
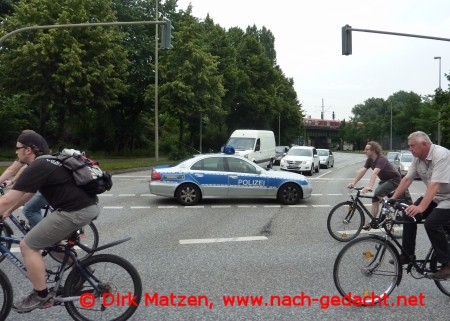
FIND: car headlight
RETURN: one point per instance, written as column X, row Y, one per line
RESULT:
column 308, row 162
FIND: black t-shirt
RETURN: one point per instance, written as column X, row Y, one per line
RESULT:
column 55, row 183
column 387, row 171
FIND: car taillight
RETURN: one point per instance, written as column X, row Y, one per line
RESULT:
column 155, row 176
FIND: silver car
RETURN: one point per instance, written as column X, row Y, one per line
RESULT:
column 326, row 158
column 226, row 176
column 301, row 159
column 403, row 162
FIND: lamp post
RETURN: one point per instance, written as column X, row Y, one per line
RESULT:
column 279, row 130
column 439, row 113
column 390, row 142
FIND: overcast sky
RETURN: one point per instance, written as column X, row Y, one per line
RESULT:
column 308, row 45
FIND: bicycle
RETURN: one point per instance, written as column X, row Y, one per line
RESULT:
column 369, row 267
column 100, row 279
column 346, row 219
column 89, row 233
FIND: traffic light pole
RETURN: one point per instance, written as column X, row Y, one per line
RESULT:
column 347, row 37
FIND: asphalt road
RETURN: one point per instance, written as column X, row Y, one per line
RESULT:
column 242, row 248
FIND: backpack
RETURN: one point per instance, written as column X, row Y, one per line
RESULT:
column 86, row 172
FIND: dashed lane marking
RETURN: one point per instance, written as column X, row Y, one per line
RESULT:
column 222, row 240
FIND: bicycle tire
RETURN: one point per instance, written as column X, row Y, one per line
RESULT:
column 90, row 238
column 443, row 285
column 5, row 230
column 6, row 296
column 344, row 222
column 117, row 276
column 362, row 269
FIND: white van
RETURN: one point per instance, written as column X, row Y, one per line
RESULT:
column 256, row 145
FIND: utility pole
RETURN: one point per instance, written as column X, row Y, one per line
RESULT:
column 156, row 85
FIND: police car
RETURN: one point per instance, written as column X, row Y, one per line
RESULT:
column 226, row 175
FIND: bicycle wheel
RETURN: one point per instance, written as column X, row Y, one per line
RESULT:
column 345, row 221
column 6, row 231
column 116, row 277
column 362, row 272
column 444, row 285
column 6, row 296
column 89, row 236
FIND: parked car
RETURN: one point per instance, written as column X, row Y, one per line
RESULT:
column 280, row 152
column 391, row 156
column 226, row 176
column 403, row 162
column 302, row 159
column 326, row 158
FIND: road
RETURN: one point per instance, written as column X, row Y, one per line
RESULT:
column 241, row 248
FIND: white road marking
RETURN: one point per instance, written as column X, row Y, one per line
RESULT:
column 221, row 240
column 366, row 232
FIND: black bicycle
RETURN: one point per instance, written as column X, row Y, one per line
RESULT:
column 88, row 234
column 100, row 287
column 346, row 220
column 369, row 267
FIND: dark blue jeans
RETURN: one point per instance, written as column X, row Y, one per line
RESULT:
column 32, row 209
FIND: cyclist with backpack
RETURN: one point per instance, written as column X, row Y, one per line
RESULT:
column 74, row 209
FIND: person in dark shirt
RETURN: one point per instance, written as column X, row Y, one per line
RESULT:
column 74, row 208
column 32, row 208
column 385, row 171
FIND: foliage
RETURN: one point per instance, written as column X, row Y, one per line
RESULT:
column 95, row 87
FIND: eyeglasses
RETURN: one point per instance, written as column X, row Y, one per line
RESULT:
column 19, row 147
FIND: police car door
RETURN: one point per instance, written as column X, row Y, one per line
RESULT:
column 244, row 180
column 210, row 174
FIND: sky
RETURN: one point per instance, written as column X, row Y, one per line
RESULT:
column 308, row 43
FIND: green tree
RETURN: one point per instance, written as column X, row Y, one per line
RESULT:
column 191, row 85
column 71, row 77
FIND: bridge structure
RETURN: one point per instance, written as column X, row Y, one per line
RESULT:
column 321, row 133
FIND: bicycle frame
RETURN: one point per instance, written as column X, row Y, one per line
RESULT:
column 355, row 199
column 68, row 255
column 419, row 265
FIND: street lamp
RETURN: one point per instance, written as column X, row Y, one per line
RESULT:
column 439, row 113
column 390, row 142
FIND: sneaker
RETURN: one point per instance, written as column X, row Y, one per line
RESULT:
column 33, row 301
column 404, row 259
column 442, row 274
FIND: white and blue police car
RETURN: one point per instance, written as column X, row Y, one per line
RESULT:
column 226, row 175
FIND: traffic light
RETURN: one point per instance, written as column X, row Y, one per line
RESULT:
column 346, row 40
column 166, row 41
